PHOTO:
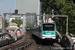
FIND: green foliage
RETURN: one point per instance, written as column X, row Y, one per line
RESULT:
column 64, row 7
column 41, row 22
column 31, row 26
column 6, row 23
column 73, row 36
column 17, row 21
column 46, row 7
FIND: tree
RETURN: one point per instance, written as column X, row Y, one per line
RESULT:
column 41, row 22
column 31, row 26
column 64, row 7
column 6, row 23
column 17, row 21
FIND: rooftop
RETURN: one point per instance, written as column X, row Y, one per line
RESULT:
column 12, row 24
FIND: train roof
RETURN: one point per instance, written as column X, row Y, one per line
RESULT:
column 48, row 23
column 43, row 23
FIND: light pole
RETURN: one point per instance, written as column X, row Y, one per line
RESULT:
column 3, row 31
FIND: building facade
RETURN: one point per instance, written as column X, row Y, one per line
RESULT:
column 28, row 6
column 1, row 22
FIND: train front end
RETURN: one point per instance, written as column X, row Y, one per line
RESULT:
column 48, row 31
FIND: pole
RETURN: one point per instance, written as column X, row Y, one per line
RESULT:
column 24, row 23
column 47, row 19
column 3, row 31
column 67, row 26
column 52, row 13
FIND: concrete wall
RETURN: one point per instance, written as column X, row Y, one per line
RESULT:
column 28, row 6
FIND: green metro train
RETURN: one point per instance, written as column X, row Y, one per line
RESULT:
column 45, row 31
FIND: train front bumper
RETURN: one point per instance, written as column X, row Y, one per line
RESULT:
column 48, row 36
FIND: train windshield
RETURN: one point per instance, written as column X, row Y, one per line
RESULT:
column 48, row 27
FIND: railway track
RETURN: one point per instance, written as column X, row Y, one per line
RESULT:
column 55, row 46
column 21, row 44
column 27, row 41
column 49, row 47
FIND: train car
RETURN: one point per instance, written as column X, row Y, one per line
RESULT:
column 27, row 28
column 45, row 31
column 5, row 36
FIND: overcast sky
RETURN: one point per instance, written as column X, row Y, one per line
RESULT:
column 6, row 6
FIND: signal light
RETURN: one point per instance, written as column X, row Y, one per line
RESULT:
column 16, row 11
column 48, row 33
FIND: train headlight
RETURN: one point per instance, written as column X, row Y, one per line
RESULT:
column 48, row 33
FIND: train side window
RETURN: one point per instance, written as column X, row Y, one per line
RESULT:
column 6, row 35
column 35, row 29
column 39, row 29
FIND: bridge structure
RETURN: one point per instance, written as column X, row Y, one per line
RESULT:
column 35, row 20
column 32, row 18
column 29, row 17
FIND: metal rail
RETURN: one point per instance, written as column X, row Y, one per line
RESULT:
column 42, row 47
column 51, row 47
column 57, row 46
column 10, row 44
column 21, row 45
column 25, row 45
column 4, row 43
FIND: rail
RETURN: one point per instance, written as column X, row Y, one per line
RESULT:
column 23, row 47
column 9, row 41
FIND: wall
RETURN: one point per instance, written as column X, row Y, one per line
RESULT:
column 28, row 6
